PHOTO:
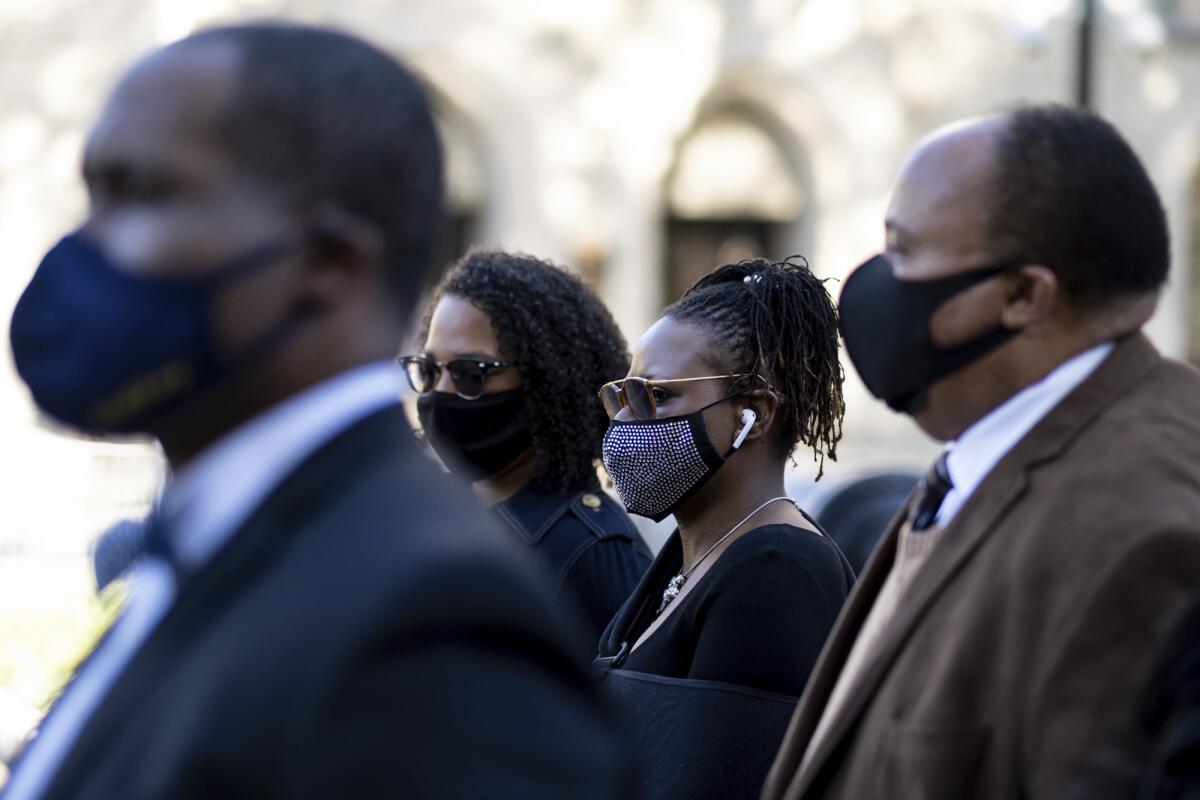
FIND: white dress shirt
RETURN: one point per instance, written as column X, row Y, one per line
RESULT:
column 204, row 504
column 982, row 445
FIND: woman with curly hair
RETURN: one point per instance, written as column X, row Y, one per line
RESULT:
column 513, row 349
column 711, row 652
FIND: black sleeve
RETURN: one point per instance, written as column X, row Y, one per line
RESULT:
column 461, row 719
column 1170, row 709
column 602, row 578
column 765, row 621
column 461, row 685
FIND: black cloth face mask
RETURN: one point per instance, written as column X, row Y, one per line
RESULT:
column 885, row 324
column 476, row 438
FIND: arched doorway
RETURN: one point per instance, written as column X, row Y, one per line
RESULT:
column 733, row 193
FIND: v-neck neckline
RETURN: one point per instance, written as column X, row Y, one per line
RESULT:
column 661, row 579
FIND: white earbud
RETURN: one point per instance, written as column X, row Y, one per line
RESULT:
column 748, row 419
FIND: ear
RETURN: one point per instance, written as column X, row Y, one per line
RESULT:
column 765, row 405
column 1032, row 297
column 346, row 254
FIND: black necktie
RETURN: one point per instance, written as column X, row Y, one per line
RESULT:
column 116, row 550
column 930, row 494
column 157, row 543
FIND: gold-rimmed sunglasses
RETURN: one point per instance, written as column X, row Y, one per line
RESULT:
column 637, row 394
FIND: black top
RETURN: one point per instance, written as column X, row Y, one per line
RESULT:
column 758, row 617
column 595, row 554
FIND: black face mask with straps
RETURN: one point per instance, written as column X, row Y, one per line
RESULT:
column 477, row 438
column 885, row 324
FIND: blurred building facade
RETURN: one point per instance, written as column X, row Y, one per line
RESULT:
column 641, row 142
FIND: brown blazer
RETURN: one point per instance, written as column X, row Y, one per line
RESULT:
column 1013, row 665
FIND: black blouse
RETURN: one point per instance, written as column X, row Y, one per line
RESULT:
column 758, row 618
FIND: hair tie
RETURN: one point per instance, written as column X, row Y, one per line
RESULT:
column 755, row 278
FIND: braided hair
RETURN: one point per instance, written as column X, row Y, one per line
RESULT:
column 565, row 345
column 778, row 321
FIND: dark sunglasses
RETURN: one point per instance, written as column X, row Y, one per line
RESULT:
column 637, row 394
column 467, row 374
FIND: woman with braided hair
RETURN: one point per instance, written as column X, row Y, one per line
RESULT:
column 712, row 650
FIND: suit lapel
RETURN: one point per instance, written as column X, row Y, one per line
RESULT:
column 972, row 526
column 832, row 659
column 252, row 549
column 959, row 542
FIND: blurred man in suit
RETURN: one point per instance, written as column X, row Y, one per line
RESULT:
column 320, row 613
column 997, row 642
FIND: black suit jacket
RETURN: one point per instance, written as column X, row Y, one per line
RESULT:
column 366, row 633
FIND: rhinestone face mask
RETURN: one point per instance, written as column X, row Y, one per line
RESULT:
column 657, row 464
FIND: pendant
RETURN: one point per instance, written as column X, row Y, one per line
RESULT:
column 672, row 591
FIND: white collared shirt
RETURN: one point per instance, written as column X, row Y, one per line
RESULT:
column 981, row 446
column 204, row 505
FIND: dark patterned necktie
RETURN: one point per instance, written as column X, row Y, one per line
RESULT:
column 930, row 493
column 157, row 545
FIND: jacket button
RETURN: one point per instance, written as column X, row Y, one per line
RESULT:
column 591, row 501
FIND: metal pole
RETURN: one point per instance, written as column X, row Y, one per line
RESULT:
column 1084, row 54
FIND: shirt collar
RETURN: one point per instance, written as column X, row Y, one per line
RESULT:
column 207, row 500
column 982, row 445
column 535, row 507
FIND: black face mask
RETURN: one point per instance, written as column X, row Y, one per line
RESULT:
column 885, row 324
column 476, row 438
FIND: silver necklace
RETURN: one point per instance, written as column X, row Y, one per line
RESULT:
column 676, row 583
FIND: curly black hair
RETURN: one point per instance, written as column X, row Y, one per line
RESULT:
column 777, row 320
column 566, row 346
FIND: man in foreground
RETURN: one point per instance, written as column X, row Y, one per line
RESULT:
column 321, row 614
column 997, row 642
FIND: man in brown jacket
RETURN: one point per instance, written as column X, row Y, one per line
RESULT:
column 996, row 644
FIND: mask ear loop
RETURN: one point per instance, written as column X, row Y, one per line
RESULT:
column 749, row 417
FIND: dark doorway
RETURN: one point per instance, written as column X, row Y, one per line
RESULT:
column 695, row 247
column 733, row 193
